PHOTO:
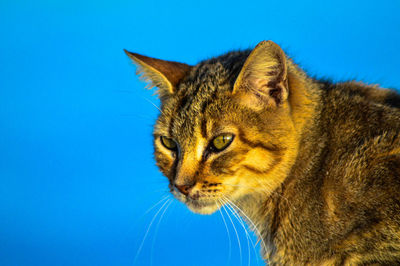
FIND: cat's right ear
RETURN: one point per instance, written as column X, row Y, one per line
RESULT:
column 165, row 75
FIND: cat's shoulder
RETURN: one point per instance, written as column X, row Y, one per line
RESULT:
column 354, row 112
column 363, row 125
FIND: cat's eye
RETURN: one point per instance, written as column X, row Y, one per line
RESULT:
column 168, row 143
column 222, row 141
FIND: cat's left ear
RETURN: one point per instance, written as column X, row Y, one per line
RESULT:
column 162, row 74
column 262, row 81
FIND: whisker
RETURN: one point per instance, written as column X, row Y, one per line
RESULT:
column 227, row 230
column 289, row 204
column 237, row 216
column 237, row 235
column 146, row 212
column 247, row 234
column 147, row 231
column 254, row 227
column 232, row 185
column 154, row 105
column 156, row 231
column 275, row 192
column 160, row 201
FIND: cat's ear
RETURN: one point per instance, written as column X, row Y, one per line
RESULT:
column 162, row 74
column 262, row 81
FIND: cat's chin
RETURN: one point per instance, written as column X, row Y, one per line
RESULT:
column 202, row 208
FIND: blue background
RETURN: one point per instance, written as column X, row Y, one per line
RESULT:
column 76, row 168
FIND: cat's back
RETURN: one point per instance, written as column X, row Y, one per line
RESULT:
column 355, row 181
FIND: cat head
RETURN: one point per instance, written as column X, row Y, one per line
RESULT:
column 225, row 130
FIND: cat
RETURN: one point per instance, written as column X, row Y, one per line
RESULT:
column 312, row 166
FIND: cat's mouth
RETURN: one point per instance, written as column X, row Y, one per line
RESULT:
column 198, row 205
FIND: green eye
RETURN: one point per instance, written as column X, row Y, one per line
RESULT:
column 222, row 141
column 168, row 143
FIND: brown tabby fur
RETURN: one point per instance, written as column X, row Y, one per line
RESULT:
column 314, row 166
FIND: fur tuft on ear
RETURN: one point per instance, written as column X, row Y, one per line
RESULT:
column 162, row 74
column 263, row 78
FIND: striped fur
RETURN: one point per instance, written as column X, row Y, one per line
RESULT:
column 314, row 165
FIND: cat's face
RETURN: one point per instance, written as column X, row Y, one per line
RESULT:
column 222, row 135
column 221, row 152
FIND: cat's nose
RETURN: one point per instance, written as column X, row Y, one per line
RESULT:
column 185, row 189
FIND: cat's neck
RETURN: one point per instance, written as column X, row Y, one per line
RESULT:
column 261, row 209
column 304, row 98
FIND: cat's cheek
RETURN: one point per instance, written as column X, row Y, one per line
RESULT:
column 165, row 165
column 241, row 184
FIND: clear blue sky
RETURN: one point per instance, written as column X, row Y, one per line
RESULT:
column 76, row 168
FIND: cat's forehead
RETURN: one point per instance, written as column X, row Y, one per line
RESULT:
column 214, row 72
column 203, row 80
column 201, row 98
column 193, row 111
column 190, row 113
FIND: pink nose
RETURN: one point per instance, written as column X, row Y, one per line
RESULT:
column 184, row 189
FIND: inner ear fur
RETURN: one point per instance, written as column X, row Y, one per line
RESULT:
column 165, row 75
column 262, row 80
